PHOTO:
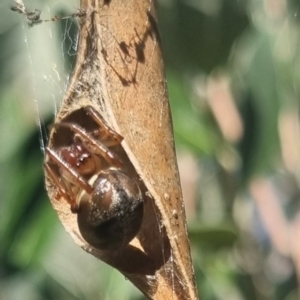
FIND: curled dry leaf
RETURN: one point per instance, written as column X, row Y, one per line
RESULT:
column 119, row 74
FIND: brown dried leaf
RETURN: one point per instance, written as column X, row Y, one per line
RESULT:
column 119, row 71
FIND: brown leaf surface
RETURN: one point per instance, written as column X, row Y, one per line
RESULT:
column 119, row 71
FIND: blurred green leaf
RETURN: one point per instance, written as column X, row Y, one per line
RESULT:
column 212, row 237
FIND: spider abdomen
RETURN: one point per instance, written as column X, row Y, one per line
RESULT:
column 111, row 216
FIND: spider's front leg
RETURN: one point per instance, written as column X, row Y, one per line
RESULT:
column 107, row 135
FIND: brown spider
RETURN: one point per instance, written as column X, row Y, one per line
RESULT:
column 89, row 176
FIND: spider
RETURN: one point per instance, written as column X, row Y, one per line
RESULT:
column 90, row 177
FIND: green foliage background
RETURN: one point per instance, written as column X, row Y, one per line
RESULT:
column 252, row 47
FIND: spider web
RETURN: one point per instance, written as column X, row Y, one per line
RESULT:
column 47, row 52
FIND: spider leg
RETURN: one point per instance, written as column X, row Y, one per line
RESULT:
column 68, row 169
column 62, row 191
column 92, row 144
column 110, row 136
